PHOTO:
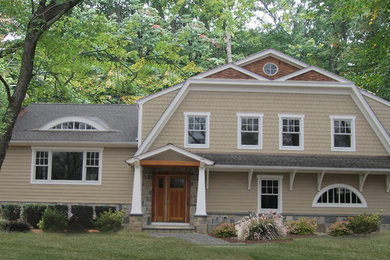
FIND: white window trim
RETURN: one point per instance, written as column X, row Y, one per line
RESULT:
column 260, row 138
column 207, row 115
column 277, row 69
column 48, row 126
column 339, row 205
column 279, row 178
column 301, row 135
column 353, row 135
column 67, row 149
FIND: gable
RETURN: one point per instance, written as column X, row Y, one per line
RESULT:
column 229, row 74
column 284, row 67
column 312, row 76
column 381, row 110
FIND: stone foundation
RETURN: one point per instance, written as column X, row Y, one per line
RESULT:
column 201, row 224
column 135, row 223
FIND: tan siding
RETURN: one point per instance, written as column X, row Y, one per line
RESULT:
column 381, row 111
column 220, row 197
column 153, row 109
column 223, row 121
column 116, row 187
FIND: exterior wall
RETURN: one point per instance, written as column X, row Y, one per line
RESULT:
column 229, row 74
column 381, row 111
column 224, row 107
column 153, row 109
column 312, row 76
column 116, row 187
column 284, row 68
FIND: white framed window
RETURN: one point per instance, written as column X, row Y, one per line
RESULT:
column 197, row 129
column 343, row 133
column 250, row 134
column 339, row 196
column 270, row 69
column 291, row 132
column 270, row 193
column 74, row 123
column 66, row 166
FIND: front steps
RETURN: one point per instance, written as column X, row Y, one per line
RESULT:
column 169, row 228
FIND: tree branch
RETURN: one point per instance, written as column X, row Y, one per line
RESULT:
column 6, row 88
column 11, row 49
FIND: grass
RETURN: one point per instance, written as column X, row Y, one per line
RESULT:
column 126, row 245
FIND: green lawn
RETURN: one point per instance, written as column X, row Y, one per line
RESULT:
column 126, row 245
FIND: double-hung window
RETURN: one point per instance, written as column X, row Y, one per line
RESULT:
column 197, row 129
column 343, row 133
column 250, row 131
column 66, row 166
column 270, row 193
column 291, row 134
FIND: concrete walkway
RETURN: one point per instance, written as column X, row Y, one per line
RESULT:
column 193, row 237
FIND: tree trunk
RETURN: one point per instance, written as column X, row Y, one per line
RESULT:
column 42, row 19
column 228, row 47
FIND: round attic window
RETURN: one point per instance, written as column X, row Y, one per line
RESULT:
column 270, row 69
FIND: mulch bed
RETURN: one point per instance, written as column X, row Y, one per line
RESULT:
column 289, row 238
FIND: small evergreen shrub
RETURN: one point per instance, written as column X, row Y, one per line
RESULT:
column 261, row 227
column 110, row 221
column 364, row 223
column 81, row 219
column 340, row 228
column 303, row 226
column 225, row 230
column 32, row 213
column 101, row 209
column 58, row 207
column 53, row 221
column 14, row 226
column 11, row 212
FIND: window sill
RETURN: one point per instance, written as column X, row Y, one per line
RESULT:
column 93, row 183
column 291, row 148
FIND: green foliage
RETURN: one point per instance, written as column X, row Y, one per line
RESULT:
column 53, row 221
column 302, row 226
column 10, row 212
column 225, row 230
column 110, row 221
column 14, row 226
column 364, row 223
column 101, row 209
column 340, row 228
column 32, row 213
column 81, row 218
column 59, row 207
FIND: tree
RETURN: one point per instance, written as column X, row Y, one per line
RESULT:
column 43, row 15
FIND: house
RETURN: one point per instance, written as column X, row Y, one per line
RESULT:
column 265, row 133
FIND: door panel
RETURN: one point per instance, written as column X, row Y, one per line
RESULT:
column 176, row 199
column 159, row 198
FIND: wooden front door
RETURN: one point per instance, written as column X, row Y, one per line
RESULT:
column 170, row 200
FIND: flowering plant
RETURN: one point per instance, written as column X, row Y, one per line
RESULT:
column 340, row 228
column 225, row 230
column 303, row 226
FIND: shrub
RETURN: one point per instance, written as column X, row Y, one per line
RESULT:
column 81, row 219
column 14, row 226
column 364, row 223
column 32, row 213
column 261, row 227
column 225, row 230
column 110, row 221
column 58, row 207
column 101, row 209
column 303, row 226
column 340, row 228
column 11, row 212
column 53, row 221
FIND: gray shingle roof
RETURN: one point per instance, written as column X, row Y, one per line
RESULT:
column 120, row 120
column 323, row 161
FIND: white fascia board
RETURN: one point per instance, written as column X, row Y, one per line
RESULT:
column 287, row 169
column 139, row 129
column 316, row 69
column 159, row 93
column 170, row 147
column 274, row 53
column 375, row 97
column 229, row 66
column 370, row 116
column 74, row 143
column 249, row 73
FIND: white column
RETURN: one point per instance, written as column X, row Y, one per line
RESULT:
column 201, row 196
column 136, row 204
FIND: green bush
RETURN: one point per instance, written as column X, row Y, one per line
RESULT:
column 32, row 213
column 81, row 219
column 14, row 226
column 302, row 226
column 58, row 207
column 101, row 209
column 364, row 223
column 225, row 230
column 11, row 212
column 110, row 221
column 339, row 228
column 53, row 221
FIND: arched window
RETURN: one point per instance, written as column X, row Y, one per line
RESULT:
column 74, row 123
column 339, row 195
